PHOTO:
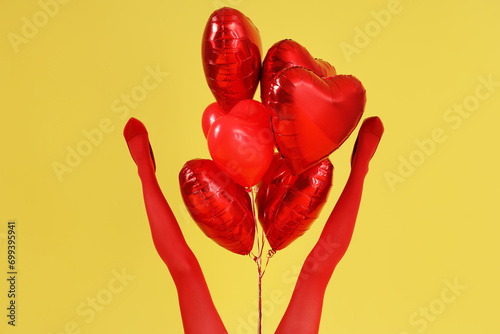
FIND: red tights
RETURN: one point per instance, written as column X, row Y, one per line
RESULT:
column 303, row 314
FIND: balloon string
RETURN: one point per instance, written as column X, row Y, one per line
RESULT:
column 260, row 240
column 265, row 267
column 260, row 247
column 263, row 240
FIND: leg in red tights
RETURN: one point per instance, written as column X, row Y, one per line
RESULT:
column 199, row 314
column 304, row 311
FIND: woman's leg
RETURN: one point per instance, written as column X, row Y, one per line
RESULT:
column 199, row 314
column 304, row 311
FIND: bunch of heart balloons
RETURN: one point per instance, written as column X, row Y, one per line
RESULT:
column 281, row 144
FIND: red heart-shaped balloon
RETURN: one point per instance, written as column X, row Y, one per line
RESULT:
column 241, row 143
column 288, row 204
column 219, row 206
column 288, row 53
column 312, row 116
column 231, row 53
column 210, row 115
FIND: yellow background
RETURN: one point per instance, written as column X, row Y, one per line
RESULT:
column 440, row 226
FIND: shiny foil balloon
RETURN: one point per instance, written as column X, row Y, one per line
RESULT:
column 231, row 53
column 220, row 207
column 311, row 116
column 210, row 115
column 288, row 53
column 288, row 204
column 241, row 143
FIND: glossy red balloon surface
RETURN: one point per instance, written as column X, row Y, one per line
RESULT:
column 241, row 143
column 311, row 116
column 210, row 115
column 288, row 204
column 288, row 53
column 231, row 53
column 220, row 207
